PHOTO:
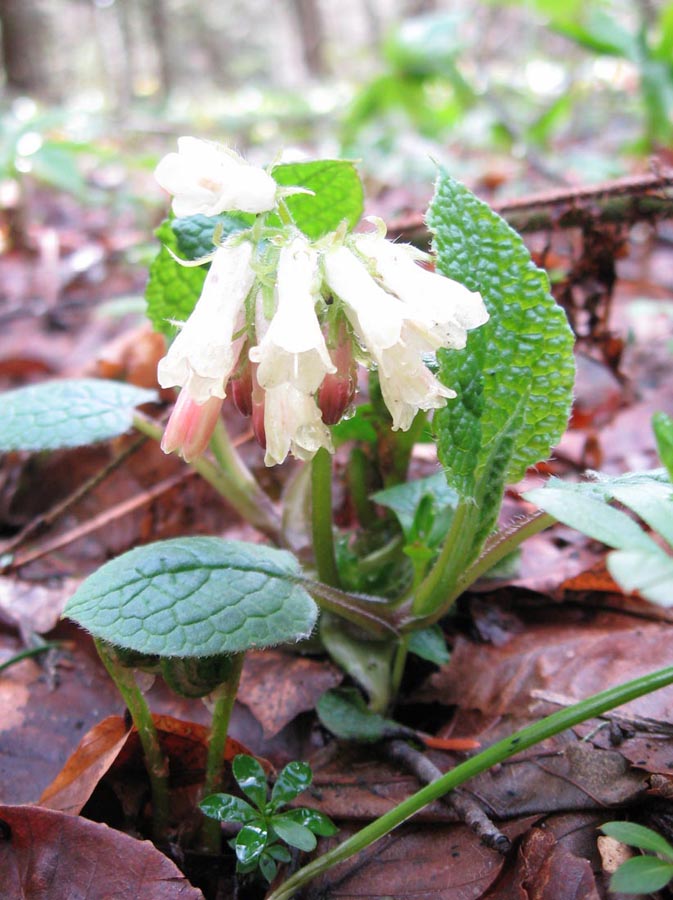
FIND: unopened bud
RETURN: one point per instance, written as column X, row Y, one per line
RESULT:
column 240, row 388
column 337, row 390
column 190, row 426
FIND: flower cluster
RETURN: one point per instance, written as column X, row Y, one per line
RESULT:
column 286, row 344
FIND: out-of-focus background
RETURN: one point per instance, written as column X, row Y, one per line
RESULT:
column 518, row 95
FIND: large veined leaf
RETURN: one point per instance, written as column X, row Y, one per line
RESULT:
column 337, row 194
column 68, row 413
column 196, row 596
column 519, row 363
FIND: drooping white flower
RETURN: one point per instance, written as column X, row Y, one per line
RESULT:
column 393, row 336
column 292, row 424
column 293, row 348
column 207, row 178
column 204, row 354
column 446, row 307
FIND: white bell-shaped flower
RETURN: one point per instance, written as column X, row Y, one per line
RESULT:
column 207, row 178
column 446, row 307
column 293, row 424
column 395, row 341
column 293, row 348
column 204, row 354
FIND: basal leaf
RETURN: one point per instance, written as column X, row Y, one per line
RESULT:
column 429, row 643
column 311, row 818
column 636, row 835
column 345, row 714
column 293, row 780
column 227, row 808
column 520, row 363
column 641, row 875
column 651, row 574
column 195, row 596
column 172, row 289
column 663, row 430
column 251, row 779
column 293, row 833
column 67, row 413
column 337, row 196
column 250, row 842
column 404, row 498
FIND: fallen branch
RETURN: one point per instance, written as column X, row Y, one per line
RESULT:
column 624, row 201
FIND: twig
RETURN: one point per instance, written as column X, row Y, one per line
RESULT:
column 110, row 515
column 42, row 521
column 623, row 201
column 466, row 810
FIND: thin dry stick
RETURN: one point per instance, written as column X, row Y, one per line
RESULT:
column 47, row 518
column 465, row 809
column 110, row 515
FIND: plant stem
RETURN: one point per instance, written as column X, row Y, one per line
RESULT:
column 224, row 697
column 321, row 518
column 155, row 759
column 497, row 547
column 399, row 662
column 231, row 478
column 28, row 652
column 521, row 740
column 441, row 580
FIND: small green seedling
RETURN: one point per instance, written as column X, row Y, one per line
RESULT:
column 642, row 874
column 259, row 843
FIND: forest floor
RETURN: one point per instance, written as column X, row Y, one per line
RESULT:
column 555, row 631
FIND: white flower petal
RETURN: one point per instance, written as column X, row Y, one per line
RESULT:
column 440, row 303
column 208, row 179
column 375, row 315
column 293, row 348
column 203, row 355
column 292, row 424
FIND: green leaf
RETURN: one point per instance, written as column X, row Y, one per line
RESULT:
column 251, row 779
column 268, row 866
column 67, row 413
column 279, row 852
column 293, row 780
column 345, row 714
column 293, row 833
column 638, row 836
column 311, row 818
column 641, row 875
column 172, row 289
column 651, row 574
column 516, row 374
column 429, row 643
column 663, row 431
column 250, row 842
column 592, row 516
column 338, row 194
column 405, row 498
column 227, row 808
column 195, row 596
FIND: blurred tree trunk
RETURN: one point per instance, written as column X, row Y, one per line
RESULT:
column 155, row 11
column 25, row 42
column 311, row 32
column 418, row 7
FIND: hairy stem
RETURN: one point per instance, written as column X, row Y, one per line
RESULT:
column 224, row 697
column 230, row 478
column 155, row 758
column 521, row 740
column 321, row 518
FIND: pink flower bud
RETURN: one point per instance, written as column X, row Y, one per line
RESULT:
column 191, row 426
column 337, row 390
